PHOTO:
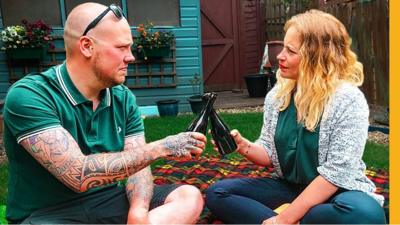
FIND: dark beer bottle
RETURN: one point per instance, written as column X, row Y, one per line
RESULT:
column 221, row 135
column 200, row 123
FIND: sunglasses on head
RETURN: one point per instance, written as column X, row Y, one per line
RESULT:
column 113, row 8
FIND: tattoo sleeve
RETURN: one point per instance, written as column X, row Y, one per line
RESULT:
column 180, row 144
column 139, row 187
column 58, row 152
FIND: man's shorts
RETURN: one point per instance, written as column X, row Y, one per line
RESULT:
column 107, row 206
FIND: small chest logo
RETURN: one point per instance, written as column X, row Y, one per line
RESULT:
column 119, row 129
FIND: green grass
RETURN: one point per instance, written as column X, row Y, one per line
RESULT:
column 249, row 124
column 376, row 156
column 3, row 182
column 3, row 192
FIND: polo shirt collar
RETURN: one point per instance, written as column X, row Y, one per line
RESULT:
column 70, row 90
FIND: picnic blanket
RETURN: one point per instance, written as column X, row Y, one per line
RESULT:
column 205, row 171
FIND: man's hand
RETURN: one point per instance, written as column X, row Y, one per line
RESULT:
column 184, row 145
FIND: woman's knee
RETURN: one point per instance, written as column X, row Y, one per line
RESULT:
column 363, row 207
column 217, row 190
column 347, row 208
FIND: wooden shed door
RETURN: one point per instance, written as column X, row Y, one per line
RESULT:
column 232, row 41
column 219, row 44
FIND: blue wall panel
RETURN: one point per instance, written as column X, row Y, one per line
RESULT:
column 188, row 53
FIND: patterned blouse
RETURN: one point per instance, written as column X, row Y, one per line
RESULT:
column 342, row 138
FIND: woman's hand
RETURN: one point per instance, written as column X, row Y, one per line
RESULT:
column 239, row 140
column 242, row 143
column 271, row 220
column 276, row 220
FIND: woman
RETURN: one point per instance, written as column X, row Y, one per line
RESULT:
column 314, row 133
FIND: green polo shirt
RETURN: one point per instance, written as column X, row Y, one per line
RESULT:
column 40, row 102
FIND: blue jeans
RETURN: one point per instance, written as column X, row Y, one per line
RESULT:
column 252, row 200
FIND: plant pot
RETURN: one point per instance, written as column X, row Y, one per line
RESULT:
column 274, row 48
column 258, row 85
column 167, row 107
column 196, row 103
column 26, row 53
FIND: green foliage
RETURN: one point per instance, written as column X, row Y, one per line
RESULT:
column 195, row 82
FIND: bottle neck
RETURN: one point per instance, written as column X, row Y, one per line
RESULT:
column 211, row 97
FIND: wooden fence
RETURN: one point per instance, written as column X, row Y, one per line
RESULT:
column 368, row 24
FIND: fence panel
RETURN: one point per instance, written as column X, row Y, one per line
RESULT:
column 368, row 24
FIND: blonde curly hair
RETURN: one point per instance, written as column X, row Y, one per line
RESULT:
column 326, row 61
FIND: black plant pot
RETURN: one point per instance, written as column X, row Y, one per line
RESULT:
column 258, row 85
column 196, row 103
column 167, row 107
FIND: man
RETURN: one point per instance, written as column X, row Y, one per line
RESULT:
column 72, row 131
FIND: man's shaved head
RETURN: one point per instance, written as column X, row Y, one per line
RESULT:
column 103, row 54
column 78, row 19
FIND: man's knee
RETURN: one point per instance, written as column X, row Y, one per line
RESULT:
column 188, row 194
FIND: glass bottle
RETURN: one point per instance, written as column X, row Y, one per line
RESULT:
column 221, row 135
column 200, row 123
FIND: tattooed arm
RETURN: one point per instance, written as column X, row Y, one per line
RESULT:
column 139, row 188
column 59, row 153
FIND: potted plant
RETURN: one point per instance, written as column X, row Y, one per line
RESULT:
column 196, row 101
column 152, row 43
column 168, row 107
column 27, row 41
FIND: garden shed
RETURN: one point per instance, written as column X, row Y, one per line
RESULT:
column 146, row 79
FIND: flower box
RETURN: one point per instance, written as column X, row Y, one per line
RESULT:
column 151, row 43
column 29, row 41
column 157, row 52
column 26, row 53
column 152, row 53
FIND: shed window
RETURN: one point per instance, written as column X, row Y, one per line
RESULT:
column 13, row 11
column 160, row 12
column 70, row 4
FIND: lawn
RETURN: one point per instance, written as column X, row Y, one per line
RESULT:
column 249, row 124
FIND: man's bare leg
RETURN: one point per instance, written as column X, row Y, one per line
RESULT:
column 182, row 206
